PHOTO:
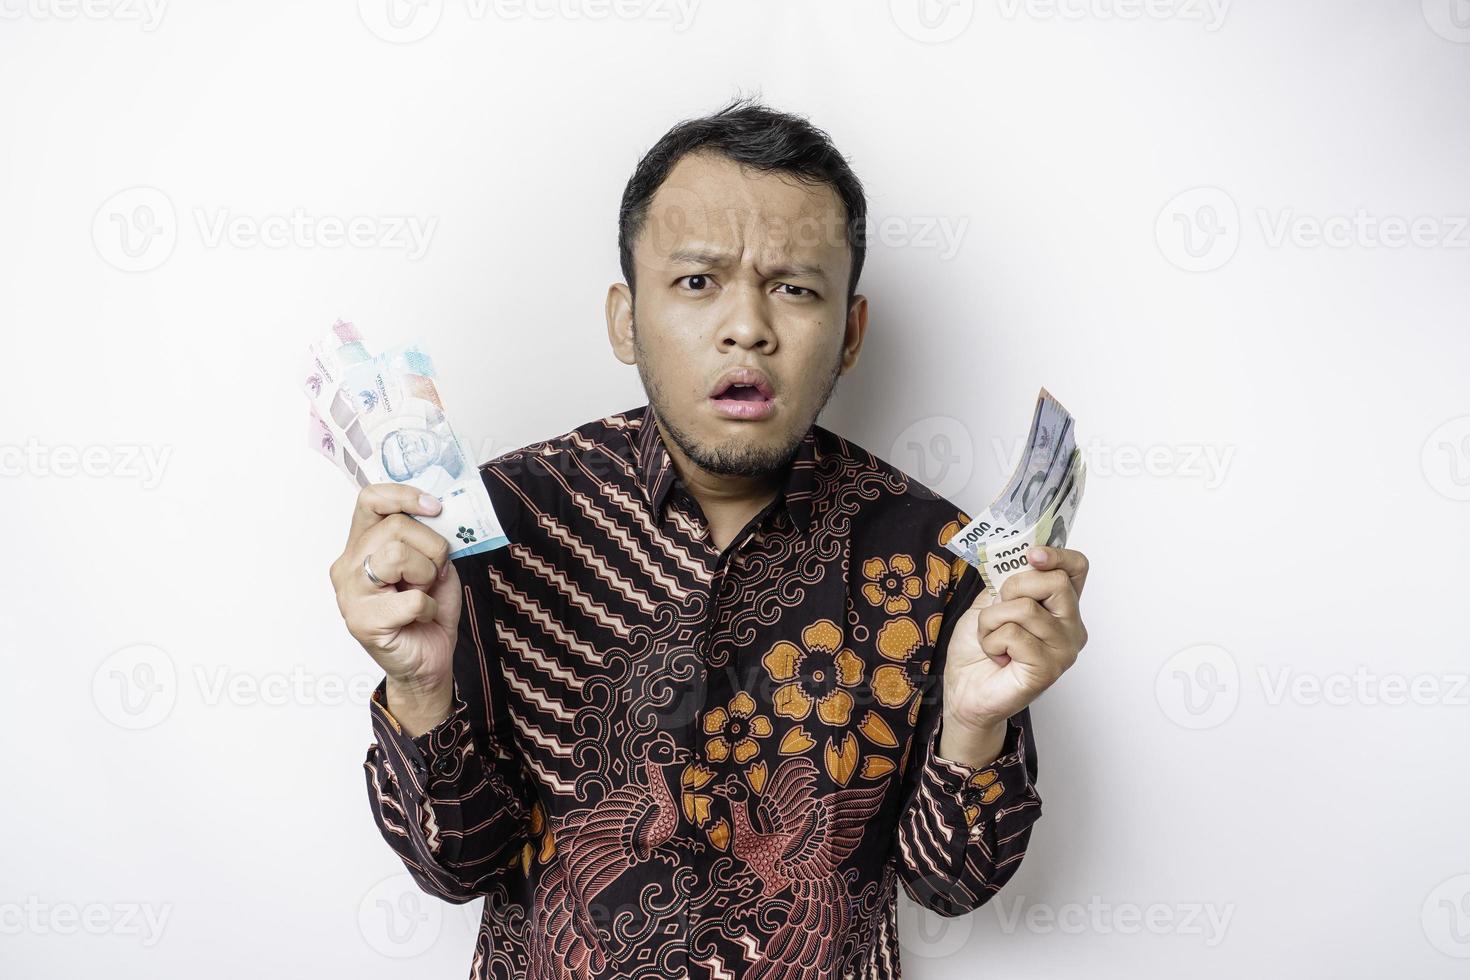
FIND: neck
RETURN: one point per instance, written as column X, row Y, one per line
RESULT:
column 728, row 502
column 740, row 824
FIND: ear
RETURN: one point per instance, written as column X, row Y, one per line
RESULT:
column 620, row 322
column 853, row 333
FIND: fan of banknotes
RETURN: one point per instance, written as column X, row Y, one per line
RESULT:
column 380, row 419
column 1037, row 506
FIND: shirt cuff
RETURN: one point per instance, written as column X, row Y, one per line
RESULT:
column 438, row 754
column 982, row 793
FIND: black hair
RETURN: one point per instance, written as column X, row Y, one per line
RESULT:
column 756, row 136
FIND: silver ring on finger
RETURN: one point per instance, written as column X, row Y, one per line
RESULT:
column 368, row 570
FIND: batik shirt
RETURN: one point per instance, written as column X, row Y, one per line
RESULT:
column 667, row 759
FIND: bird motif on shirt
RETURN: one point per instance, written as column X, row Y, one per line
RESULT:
column 795, row 847
column 594, row 849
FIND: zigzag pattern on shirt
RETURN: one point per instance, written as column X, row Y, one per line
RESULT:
column 558, row 580
column 536, row 736
column 529, row 653
column 679, row 554
column 554, row 781
column 539, row 698
column 533, row 611
column 605, row 573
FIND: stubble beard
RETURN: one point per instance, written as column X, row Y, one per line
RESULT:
column 732, row 458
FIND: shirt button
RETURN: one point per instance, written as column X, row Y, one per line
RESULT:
column 444, row 765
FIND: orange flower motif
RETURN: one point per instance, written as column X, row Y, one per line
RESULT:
column 695, row 800
column 735, row 729
column 937, row 573
column 952, row 528
column 979, row 790
column 896, row 684
column 891, row 584
column 816, row 673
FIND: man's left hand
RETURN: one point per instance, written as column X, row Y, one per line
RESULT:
column 1003, row 654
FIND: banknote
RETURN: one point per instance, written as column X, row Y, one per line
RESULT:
column 380, row 419
column 400, row 417
column 1038, row 502
column 1048, row 454
column 327, row 359
column 1005, row 555
column 1039, row 475
column 324, row 440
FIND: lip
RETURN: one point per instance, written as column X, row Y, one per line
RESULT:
column 745, row 410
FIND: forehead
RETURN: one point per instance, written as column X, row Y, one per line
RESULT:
column 709, row 201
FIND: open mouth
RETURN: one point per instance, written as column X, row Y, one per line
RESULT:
column 745, row 394
column 742, row 393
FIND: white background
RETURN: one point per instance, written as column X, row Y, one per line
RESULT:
column 1256, row 769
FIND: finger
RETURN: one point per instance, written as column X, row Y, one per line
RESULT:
column 1053, row 589
column 402, row 528
column 392, row 611
column 1011, row 642
column 1074, row 563
column 1025, row 613
column 378, row 500
column 397, row 562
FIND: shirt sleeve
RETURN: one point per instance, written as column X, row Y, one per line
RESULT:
column 964, row 830
column 453, row 807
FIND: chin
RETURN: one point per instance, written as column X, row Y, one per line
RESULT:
column 748, row 456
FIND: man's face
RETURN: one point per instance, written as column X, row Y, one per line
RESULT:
column 741, row 324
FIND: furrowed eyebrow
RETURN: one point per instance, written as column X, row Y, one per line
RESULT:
column 686, row 256
column 794, row 270
column 798, row 271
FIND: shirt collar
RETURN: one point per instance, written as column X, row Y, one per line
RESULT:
column 657, row 476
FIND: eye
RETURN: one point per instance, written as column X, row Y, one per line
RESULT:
column 800, row 291
column 702, row 281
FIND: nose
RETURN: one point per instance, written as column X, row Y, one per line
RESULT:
column 748, row 325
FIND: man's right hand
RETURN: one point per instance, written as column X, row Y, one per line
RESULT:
column 410, row 623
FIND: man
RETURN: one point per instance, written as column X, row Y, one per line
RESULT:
column 725, row 689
